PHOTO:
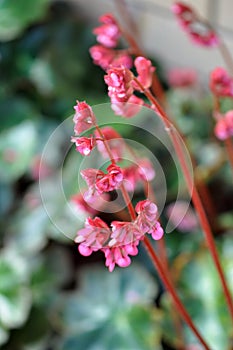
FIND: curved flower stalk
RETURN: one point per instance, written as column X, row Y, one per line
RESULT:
column 134, row 103
column 127, row 91
column 120, row 240
column 221, row 84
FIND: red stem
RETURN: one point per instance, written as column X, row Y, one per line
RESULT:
column 162, row 273
column 194, row 194
column 136, row 50
column 229, row 149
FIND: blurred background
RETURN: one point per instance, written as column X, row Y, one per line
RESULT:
column 50, row 296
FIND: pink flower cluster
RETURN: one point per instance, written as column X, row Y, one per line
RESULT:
column 221, row 84
column 122, row 239
column 121, row 85
column 107, row 35
column 100, row 182
column 199, row 31
column 224, row 126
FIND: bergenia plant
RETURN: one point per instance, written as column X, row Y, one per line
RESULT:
column 128, row 92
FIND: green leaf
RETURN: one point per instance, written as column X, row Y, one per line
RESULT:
column 29, row 231
column 4, row 335
column 49, row 271
column 16, row 15
column 17, row 147
column 209, row 311
column 112, row 311
column 15, row 297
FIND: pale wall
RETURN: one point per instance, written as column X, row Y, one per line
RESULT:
column 160, row 34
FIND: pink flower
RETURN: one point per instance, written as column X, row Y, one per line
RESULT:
column 84, row 117
column 203, row 35
column 91, row 176
column 145, row 170
column 182, row 77
column 221, row 84
column 200, row 32
column 102, row 56
column 123, row 240
column 220, row 129
column 182, row 216
column 116, row 255
column 224, row 126
column 122, row 59
column 128, row 109
column 124, row 233
column 147, row 215
column 114, row 141
column 107, row 58
column 130, row 176
column 93, row 237
column 119, row 84
column 156, row 231
column 145, row 72
column 84, row 145
column 108, row 33
column 111, row 181
column 115, row 175
column 98, row 181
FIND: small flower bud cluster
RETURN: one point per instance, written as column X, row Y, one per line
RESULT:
column 100, row 182
column 122, row 239
column 108, row 35
column 221, row 84
column 198, row 30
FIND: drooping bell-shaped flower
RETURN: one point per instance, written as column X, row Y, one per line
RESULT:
column 83, row 118
column 93, row 236
column 84, row 145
